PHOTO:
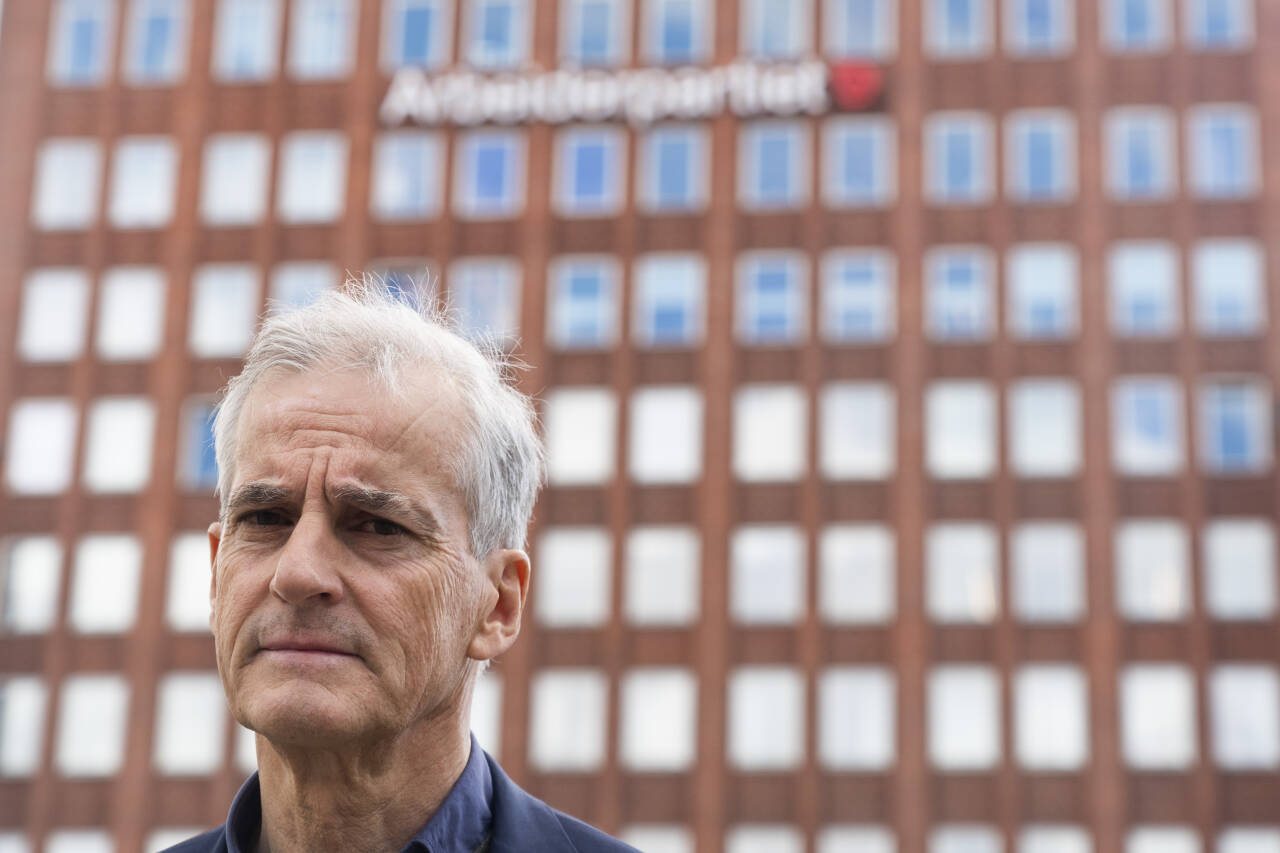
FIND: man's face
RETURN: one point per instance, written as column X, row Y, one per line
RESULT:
column 345, row 596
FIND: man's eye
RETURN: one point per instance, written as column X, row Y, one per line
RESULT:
column 265, row 518
column 381, row 527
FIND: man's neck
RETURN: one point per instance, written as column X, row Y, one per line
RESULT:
column 355, row 798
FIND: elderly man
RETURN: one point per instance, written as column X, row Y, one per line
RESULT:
column 376, row 476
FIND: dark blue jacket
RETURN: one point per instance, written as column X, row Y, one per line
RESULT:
column 521, row 824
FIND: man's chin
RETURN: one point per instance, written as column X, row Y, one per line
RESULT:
column 302, row 712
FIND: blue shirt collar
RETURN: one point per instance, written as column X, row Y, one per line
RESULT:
column 460, row 825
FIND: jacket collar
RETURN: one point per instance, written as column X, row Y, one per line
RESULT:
column 521, row 823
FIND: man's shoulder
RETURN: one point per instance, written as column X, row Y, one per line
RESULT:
column 213, row 841
column 522, row 822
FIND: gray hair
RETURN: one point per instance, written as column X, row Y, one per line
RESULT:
column 364, row 326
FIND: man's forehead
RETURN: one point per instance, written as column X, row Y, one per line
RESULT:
column 368, row 430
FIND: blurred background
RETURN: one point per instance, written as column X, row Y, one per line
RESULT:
column 907, row 369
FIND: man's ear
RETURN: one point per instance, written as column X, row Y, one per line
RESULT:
column 506, row 588
column 215, row 539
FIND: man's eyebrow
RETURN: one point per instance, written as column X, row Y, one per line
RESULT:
column 380, row 501
column 257, row 495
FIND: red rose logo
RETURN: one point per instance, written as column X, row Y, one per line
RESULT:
column 854, row 85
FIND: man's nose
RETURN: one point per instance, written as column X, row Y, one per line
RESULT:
column 306, row 569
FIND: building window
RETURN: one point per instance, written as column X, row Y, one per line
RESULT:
column 1153, row 578
column 857, row 431
column 1051, row 711
column 855, row 838
column 1037, row 28
column 1140, row 153
column 1239, row 569
column 104, row 584
column 856, row 574
column 567, row 723
column 1044, row 428
column 768, row 584
column 118, row 452
column 1146, row 426
column 489, row 177
column 1041, row 165
column 962, row 573
column 407, row 175
column 1229, row 292
column 1218, row 24
column 575, row 570
column 80, row 42
column 580, row 428
column 1042, row 291
column 486, row 712
column 670, row 300
column 1235, row 427
column 411, row 281
column 191, row 713
column 143, row 173
column 68, row 172
column 766, row 718
column 673, row 173
column 959, row 295
column 224, row 310
column 187, row 593
column 963, row 718
column 675, row 31
column 233, row 185
column 246, row 37
column 588, row 171
column 1162, row 839
column 1157, row 717
column 1244, row 707
column 859, row 161
column 1248, row 839
column 774, row 165
column 415, row 33
column 23, row 702
column 858, row 296
column 763, row 838
column 92, row 715
column 1054, row 838
column 296, row 284
column 771, row 298
column 583, row 303
column 1223, row 146
column 965, row 838
column 157, row 48
column 773, row 30
column 957, row 29
column 1047, row 568
column 856, row 720
column 860, row 29
column 769, row 433
column 30, row 577
column 662, row 838
column 320, row 39
column 55, row 308
column 496, row 33
column 1133, row 26
column 42, row 435
column 958, row 158
column 313, row 177
column 198, row 465
column 1144, row 289
column 594, row 33
column 961, row 427
column 662, row 577
column 666, row 434
column 658, row 719
column 130, row 313
column 484, row 297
